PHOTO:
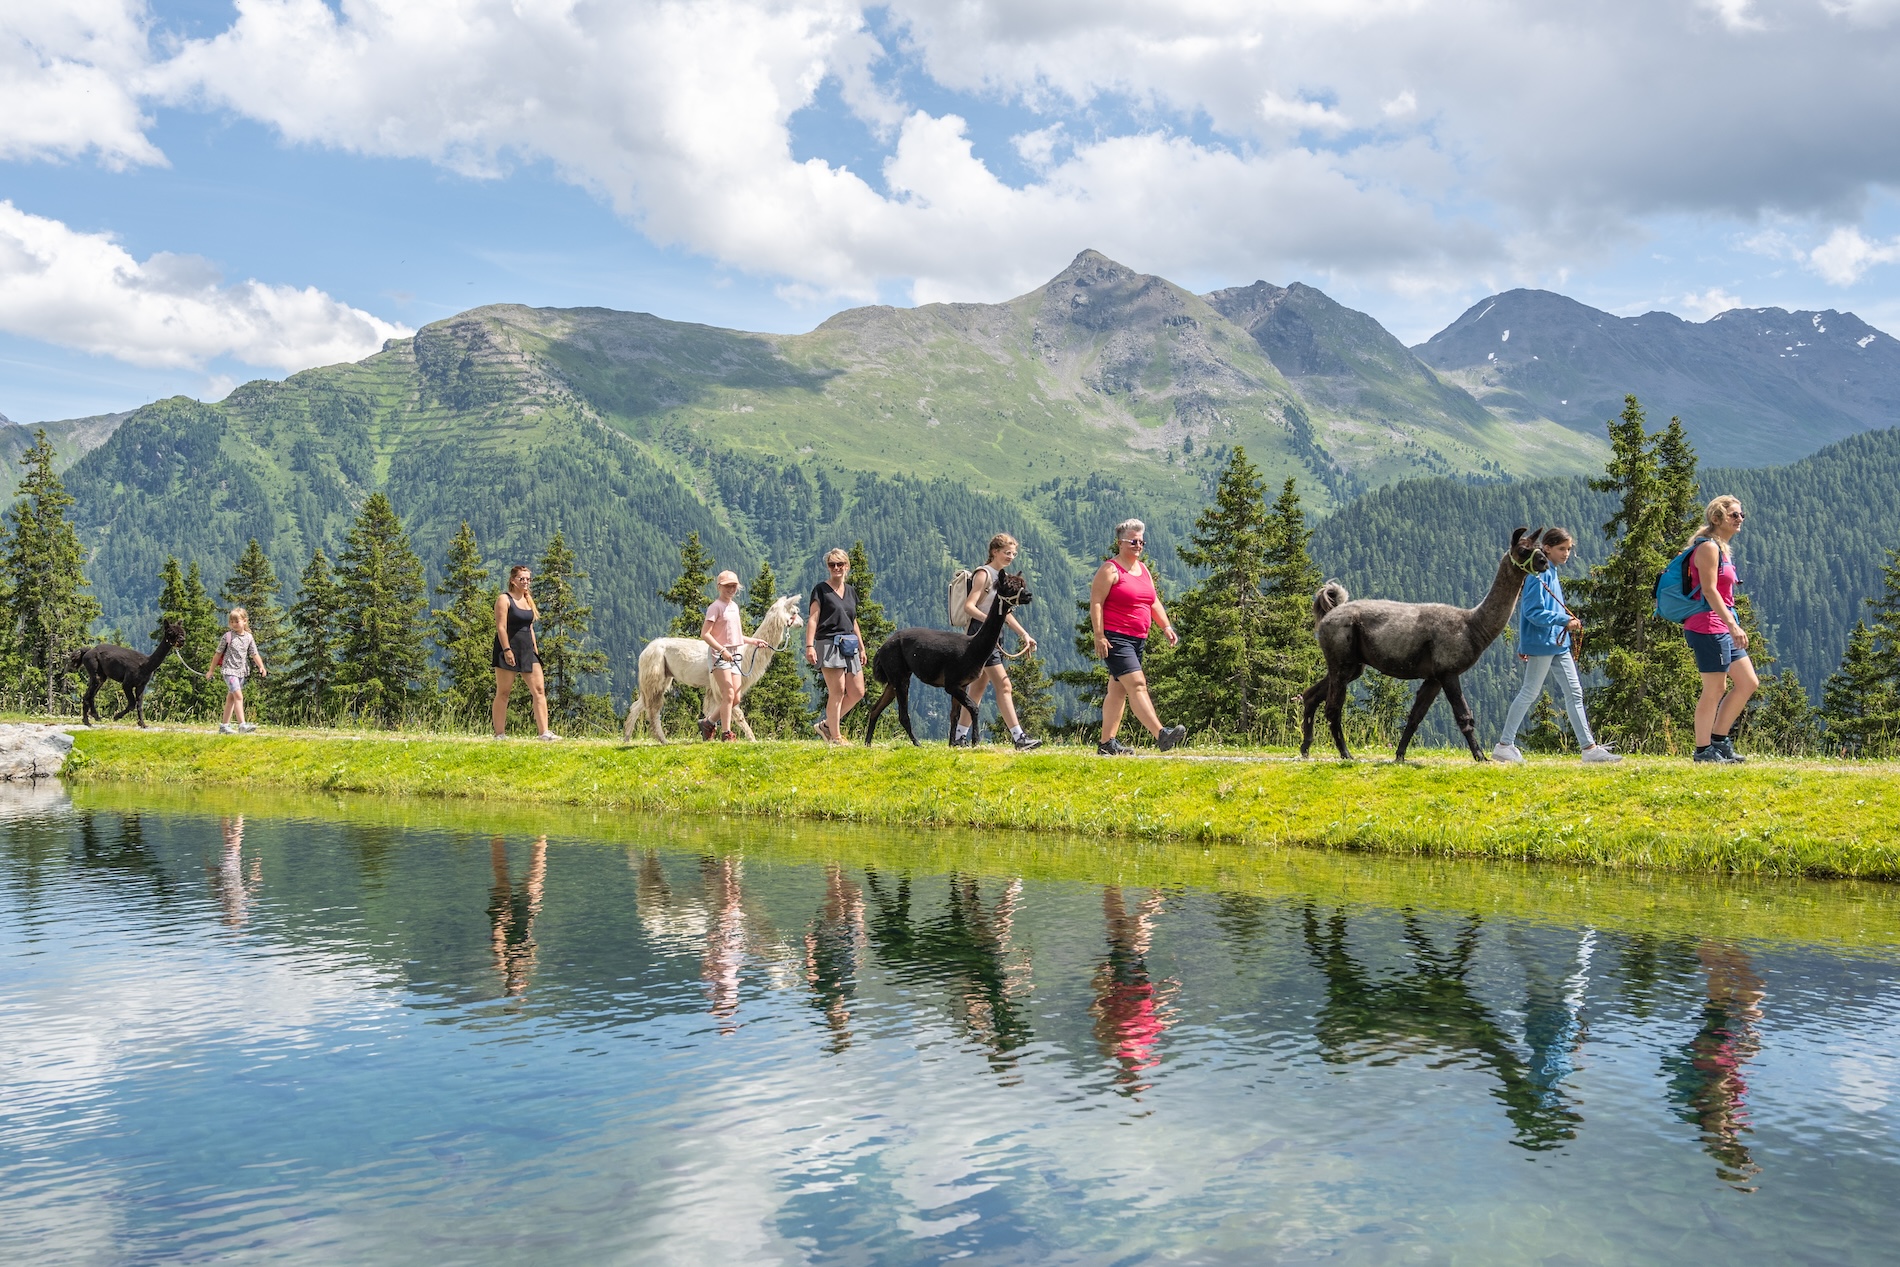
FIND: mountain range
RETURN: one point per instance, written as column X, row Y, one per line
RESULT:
column 1102, row 394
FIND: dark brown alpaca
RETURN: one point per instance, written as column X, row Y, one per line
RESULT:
column 131, row 669
column 1432, row 643
column 941, row 657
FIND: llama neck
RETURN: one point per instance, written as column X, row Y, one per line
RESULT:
column 1488, row 618
column 985, row 639
column 768, row 632
column 152, row 661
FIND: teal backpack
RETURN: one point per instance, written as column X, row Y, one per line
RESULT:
column 1678, row 595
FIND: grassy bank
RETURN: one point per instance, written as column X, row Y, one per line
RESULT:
column 1766, row 818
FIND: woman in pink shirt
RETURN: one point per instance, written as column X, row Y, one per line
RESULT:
column 721, row 632
column 1717, row 638
column 1123, row 606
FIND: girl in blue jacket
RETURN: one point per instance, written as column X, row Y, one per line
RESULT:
column 1544, row 628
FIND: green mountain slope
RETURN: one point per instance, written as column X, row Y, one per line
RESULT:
column 1818, row 532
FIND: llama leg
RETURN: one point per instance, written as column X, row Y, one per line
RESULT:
column 1337, row 684
column 903, row 707
column 1421, row 705
column 960, row 699
column 1461, row 713
column 139, row 703
column 131, row 702
column 877, row 710
column 87, row 713
column 745, row 727
column 1310, row 700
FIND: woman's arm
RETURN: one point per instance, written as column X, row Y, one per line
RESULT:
column 1709, row 566
column 811, row 628
column 706, row 636
column 1098, row 595
column 1028, row 639
column 979, row 586
column 258, row 656
column 501, row 628
column 1167, row 626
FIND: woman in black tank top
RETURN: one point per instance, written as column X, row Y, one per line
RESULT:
column 517, row 654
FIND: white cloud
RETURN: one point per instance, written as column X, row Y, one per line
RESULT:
column 1298, row 114
column 1847, row 254
column 85, row 291
column 69, row 74
column 1401, row 106
column 1709, row 302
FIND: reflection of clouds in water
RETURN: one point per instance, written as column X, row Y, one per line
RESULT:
column 721, row 925
column 36, row 798
column 1864, row 1080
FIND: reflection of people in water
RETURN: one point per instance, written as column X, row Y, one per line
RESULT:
column 968, row 950
column 1131, row 1012
column 1706, row 1078
column 230, row 880
column 726, row 936
column 511, row 911
column 1432, row 1008
column 834, row 947
column 1553, row 1019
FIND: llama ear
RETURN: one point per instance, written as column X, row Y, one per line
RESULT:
column 1518, row 536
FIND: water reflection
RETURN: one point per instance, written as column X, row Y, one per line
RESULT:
column 835, row 945
column 1706, row 1078
column 232, row 883
column 1130, row 1010
column 511, row 911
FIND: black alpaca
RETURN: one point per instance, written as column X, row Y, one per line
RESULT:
column 941, row 657
column 110, row 662
column 1430, row 642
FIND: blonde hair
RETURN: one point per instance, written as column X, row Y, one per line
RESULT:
column 1126, row 529
column 1716, row 512
column 835, row 555
column 1001, row 541
column 241, row 618
column 513, row 572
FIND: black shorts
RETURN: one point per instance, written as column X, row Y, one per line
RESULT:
column 525, row 658
column 1124, row 654
column 996, row 656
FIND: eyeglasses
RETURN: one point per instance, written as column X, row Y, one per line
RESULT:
column 1736, row 514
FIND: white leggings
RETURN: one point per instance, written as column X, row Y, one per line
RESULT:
column 1535, row 669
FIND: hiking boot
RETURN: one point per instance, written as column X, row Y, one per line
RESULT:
column 1025, row 742
column 1600, row 754
column 1113, row 748
column 1170, row 737
column 1507, row 753
column 706, row 729
column 1727, row 748
column 1709, row 756
column 727, row 737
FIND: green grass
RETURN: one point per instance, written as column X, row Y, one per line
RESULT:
column 1766, row 819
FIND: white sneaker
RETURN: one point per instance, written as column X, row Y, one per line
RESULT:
column 548, row 736
column 1600, row 755
column 1507, row 753
column 226, row 728
column 245, row 727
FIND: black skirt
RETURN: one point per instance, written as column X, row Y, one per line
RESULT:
column 525, row 658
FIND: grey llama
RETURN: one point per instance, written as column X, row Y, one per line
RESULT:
column 1432, row 643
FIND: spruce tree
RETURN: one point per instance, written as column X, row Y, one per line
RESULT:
column 1859, row 704
column 1214, row 681
column 1784, row 719
column 179, row 691
column 1293, row 656
column 308, row 684
column 253, row 585
column 1647, row 701
column 383, row 668
column 48, row 614
column 465, row 628
column 1090, row 685
column 561, row 633
column 776, row 703
column 688, row 593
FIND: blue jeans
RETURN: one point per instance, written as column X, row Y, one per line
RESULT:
column 1536, row 668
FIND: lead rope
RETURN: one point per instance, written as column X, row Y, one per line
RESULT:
column 784, row 641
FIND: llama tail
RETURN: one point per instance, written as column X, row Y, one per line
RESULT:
column 1330, row 595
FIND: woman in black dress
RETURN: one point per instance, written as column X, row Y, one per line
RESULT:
column 516, row 652
column 835, row 644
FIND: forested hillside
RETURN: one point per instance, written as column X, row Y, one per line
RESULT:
column 1818, row 532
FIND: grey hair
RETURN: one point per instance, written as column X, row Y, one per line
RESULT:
column 1128, row 528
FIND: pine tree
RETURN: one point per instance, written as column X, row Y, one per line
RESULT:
column 253, row 585
column 47, row 613
column 1647, row 701
column 308, row 683
column 179, row 691
column 1859, row 704
column 1784, row 719
column 1293, row 656
column 561, row 633
column 383, row 668
column 776, row 703
column 688, row 593
column 1214, row 680
column 1376, row 708
column 465, row 628
column 1090, row 685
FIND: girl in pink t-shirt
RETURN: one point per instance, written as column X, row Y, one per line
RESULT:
column 722, row 633
column 1718, row 640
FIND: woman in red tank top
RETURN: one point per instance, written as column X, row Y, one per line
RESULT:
column 1123, row 606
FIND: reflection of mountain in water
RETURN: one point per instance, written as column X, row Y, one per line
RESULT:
column 1432, row 1009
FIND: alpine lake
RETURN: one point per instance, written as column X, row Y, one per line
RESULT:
column 243, row 1027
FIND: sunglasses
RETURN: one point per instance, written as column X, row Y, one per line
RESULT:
column 835, row 566
column 1736, row 514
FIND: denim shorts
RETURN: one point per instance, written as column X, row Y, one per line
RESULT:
column 1713, row 652
column 1124, row 653
column 721, row 661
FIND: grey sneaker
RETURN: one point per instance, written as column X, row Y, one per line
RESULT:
column 1025, row 742
column 548, row 736
column 819, row 726
column 1727, row 748
column 226, row 728
column 1507, row 753
column 1170, row 737
column 1600, row 754
column 1710, row 755
column 1113, row 748
column 246, row 728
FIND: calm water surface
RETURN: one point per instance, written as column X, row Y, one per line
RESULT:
column 250, row 1029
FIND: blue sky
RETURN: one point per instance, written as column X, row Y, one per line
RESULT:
column 200, row 193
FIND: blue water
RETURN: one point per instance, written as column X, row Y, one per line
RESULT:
column 249, row 1033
